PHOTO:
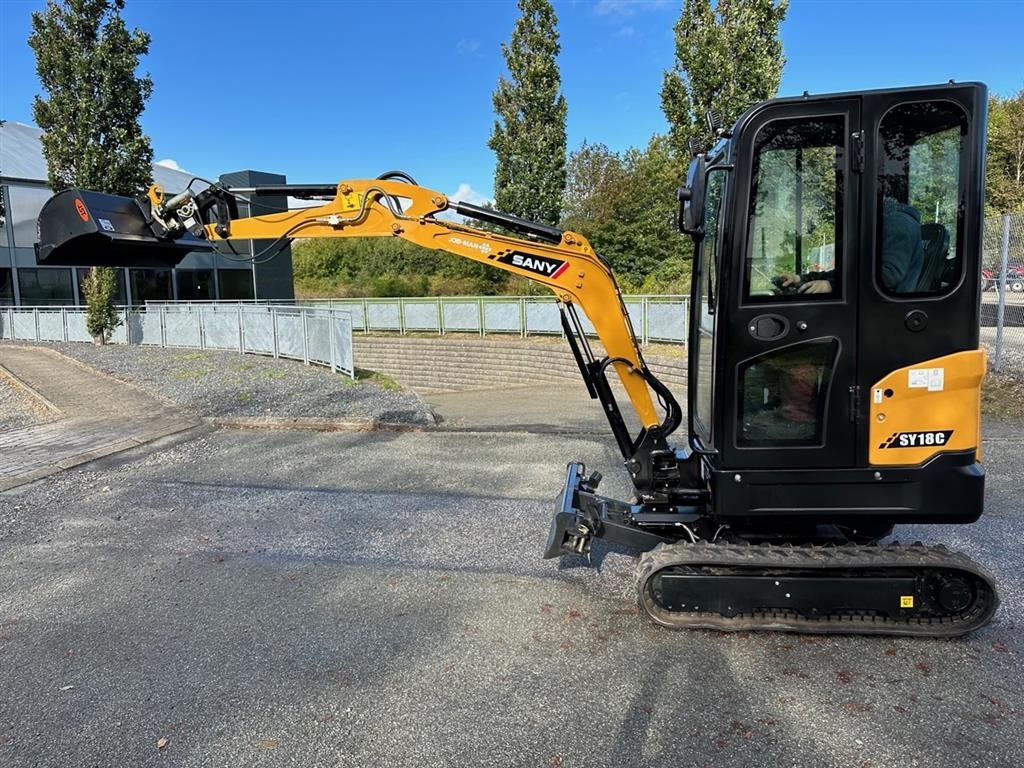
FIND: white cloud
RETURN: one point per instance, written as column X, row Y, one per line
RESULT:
column 614, row 8
column 169, row 163
column 298, row 202
column 625, row 8
column 626, row 31
column 467, row 47
column 466, row 194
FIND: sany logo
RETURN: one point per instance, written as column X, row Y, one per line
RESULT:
column 540, row 265
column 484, row 248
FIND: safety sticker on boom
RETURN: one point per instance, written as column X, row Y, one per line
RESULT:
column 917, row 439
column 540, row 265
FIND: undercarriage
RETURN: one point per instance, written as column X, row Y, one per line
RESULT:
column 696, row 574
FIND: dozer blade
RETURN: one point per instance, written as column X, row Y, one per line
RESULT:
column 79, row 228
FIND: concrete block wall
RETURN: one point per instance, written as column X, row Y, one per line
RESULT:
column 450, row 363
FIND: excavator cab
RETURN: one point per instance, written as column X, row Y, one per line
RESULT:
column 833, row 356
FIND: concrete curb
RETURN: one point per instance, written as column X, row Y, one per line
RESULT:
column 17, row 381
column 311, row 424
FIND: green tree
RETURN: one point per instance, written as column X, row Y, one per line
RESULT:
column 1004, row 176
column 728, row 56
column 529, row 133
column 626, row 205
column 86, row 59
column 101, row 316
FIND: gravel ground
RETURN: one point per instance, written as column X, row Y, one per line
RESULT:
column 231, row 385
column 313, row 599
column 18, row 409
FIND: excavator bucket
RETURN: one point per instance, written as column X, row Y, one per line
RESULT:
column 79, row 228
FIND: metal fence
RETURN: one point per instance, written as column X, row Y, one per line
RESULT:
column 1002, row 298
column 654, row 318
column 319, row 335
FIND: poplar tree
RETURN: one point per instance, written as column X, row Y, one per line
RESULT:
column 86, row 59
column 728, row 56
column 529, row 132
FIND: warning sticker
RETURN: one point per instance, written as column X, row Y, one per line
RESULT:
column 878, row 396
column 105, row 223
column 932, row 379
column 906, row 601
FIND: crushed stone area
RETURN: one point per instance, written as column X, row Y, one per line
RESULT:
column 226, row 384
column 19, row 409
column 287, row 598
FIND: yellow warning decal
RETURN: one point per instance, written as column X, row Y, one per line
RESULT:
column 906, row 601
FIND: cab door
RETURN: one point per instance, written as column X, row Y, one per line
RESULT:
column 789, row 367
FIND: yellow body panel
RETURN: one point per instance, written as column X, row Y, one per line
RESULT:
column 927, row 408
column 388, row 208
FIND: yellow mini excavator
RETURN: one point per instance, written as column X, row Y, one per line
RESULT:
column 834, row 368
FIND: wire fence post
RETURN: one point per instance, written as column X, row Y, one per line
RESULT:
column 305, row 338
column 1004, row 257
column 331, row 319
column 241, row 333
column 273, row 331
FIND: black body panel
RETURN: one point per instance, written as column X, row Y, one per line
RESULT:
column 948, row 489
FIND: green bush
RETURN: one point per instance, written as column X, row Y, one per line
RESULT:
column 101, row 317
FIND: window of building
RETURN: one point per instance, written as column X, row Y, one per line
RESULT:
column 150, row 285
column 795, row 221
column 24, row 204
column 121, row 298
column 45, row 286
column 236, row 284
column 195, row 284
column 920, row 198
column 6, row 287
column 3, row 217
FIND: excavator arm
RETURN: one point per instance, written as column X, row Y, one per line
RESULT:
column 393, row 206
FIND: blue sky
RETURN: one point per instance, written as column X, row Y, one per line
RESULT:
column 328, row 90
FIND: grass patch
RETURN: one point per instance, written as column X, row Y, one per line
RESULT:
column 191, row 373
column 244, row 397
column 273, row 374
column 194, row 356
column 1002, row 397
column 382, row 380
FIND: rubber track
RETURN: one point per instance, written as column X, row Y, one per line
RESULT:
column 836, row 559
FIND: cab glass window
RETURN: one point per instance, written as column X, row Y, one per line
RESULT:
column 783, row 396
column 707, row 298
column 795, row 220
column 920, row 201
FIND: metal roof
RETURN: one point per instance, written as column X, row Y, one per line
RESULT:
column 21, row 157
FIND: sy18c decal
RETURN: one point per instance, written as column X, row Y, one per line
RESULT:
column 541, row 265
column 917, row 439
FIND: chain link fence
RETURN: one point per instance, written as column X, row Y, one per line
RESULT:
column 1002, row 297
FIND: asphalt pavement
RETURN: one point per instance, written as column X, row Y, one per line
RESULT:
column 378, row 599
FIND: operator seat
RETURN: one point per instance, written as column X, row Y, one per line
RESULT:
column 936, row 252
